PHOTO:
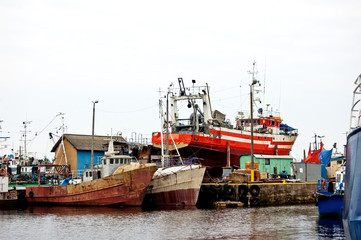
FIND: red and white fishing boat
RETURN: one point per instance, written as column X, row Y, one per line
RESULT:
column 207, row 135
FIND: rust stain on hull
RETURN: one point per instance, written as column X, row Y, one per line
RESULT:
column 126, row 187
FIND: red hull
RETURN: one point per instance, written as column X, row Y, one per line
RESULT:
column 8, row 203
column 187, row 197
column 213, row 148
column 125, row 189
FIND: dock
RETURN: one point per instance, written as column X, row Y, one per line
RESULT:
column 256, row 194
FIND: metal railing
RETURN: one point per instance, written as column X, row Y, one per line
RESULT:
column 177, row 162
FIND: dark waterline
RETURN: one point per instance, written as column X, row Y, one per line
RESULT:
column 286, row 222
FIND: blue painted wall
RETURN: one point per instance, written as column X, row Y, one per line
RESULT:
column 84, row 158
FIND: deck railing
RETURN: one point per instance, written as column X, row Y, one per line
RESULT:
column 177, row 162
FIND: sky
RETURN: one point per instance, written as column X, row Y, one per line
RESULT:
column 59, row 56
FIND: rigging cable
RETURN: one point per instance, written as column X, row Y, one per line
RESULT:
column 38, row 133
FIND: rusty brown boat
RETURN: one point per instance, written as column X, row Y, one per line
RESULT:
column 126, row 186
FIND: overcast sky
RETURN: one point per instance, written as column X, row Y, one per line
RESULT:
column 59, row 56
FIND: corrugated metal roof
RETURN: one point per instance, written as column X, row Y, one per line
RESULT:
column 84, row 142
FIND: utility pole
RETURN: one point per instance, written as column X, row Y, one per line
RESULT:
column 92, row 149
column 254, row 81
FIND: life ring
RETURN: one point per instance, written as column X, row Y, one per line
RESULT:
column 269, row 130
column 2, row 171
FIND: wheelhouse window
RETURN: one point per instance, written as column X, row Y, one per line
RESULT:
column 104, row 161
column 117, row 161
column 111, row 161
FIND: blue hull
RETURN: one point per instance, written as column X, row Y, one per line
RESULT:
column 330, row 204
column 352, row 206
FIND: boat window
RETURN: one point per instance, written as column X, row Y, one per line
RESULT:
column 259, row 122
column 111, row 161
column 117, row 161
column 273, row 123
column 104, row 161
column 90, row 174
column 254, row 122
column 87, row 174
column 242, row 123
column 121, row 161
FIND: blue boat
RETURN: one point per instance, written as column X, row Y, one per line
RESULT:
column 352, row 201
column 330, row 195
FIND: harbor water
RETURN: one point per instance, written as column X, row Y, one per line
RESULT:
column 283, row 222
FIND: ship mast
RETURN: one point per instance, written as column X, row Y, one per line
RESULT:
column 25, row 123
column 161, row 126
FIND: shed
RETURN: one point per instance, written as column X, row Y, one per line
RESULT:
column 77, row 150
column 307, row 172
column 272, row 164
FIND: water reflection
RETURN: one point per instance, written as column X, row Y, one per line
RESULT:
column 73, row 211
column 286, row 222
column 330, row 227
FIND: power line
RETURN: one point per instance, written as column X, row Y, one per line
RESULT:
column 137, row 110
